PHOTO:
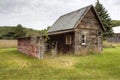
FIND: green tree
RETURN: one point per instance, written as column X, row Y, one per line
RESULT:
column 44, row 32
column 1, row 37
column 105, row 18
column 9, row 35
column 19, row 31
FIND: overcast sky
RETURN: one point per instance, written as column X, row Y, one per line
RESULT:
column 39, row 14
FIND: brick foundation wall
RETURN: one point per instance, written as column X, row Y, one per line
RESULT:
column 26, row 46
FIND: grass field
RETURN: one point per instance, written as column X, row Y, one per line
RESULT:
column 17, row 66
column 8, row 43
column 110, row 45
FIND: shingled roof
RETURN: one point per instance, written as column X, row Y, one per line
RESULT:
column 69, row 21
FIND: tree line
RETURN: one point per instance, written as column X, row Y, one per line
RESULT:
column 13, row 32
column 115, row 23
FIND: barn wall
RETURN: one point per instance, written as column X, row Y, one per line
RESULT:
column 90, row 27
column 27, row 46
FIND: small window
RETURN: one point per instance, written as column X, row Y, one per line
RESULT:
column 68, row 40
column 83, row 39
column 99, row 33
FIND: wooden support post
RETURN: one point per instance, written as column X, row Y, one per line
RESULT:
column 54, row 50
column 41, row 48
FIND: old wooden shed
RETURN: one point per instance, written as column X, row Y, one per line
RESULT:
column 77, row 32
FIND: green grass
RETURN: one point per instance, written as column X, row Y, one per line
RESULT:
column 16, row 66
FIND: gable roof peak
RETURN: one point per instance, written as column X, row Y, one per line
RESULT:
column 70, row 20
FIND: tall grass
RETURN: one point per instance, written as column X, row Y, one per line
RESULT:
column 110, row 44
column 17, row 66
column 8, row 43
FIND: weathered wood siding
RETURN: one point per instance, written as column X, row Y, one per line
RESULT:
column 90, row 27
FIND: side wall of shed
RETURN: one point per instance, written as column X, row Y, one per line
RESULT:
column 27, row 46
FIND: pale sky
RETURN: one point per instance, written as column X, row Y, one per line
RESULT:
column 116, row 29
column 38, row 14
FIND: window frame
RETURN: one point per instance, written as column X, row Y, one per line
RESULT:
column 83, row 39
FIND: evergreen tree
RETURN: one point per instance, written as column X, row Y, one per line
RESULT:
column 105, row 18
